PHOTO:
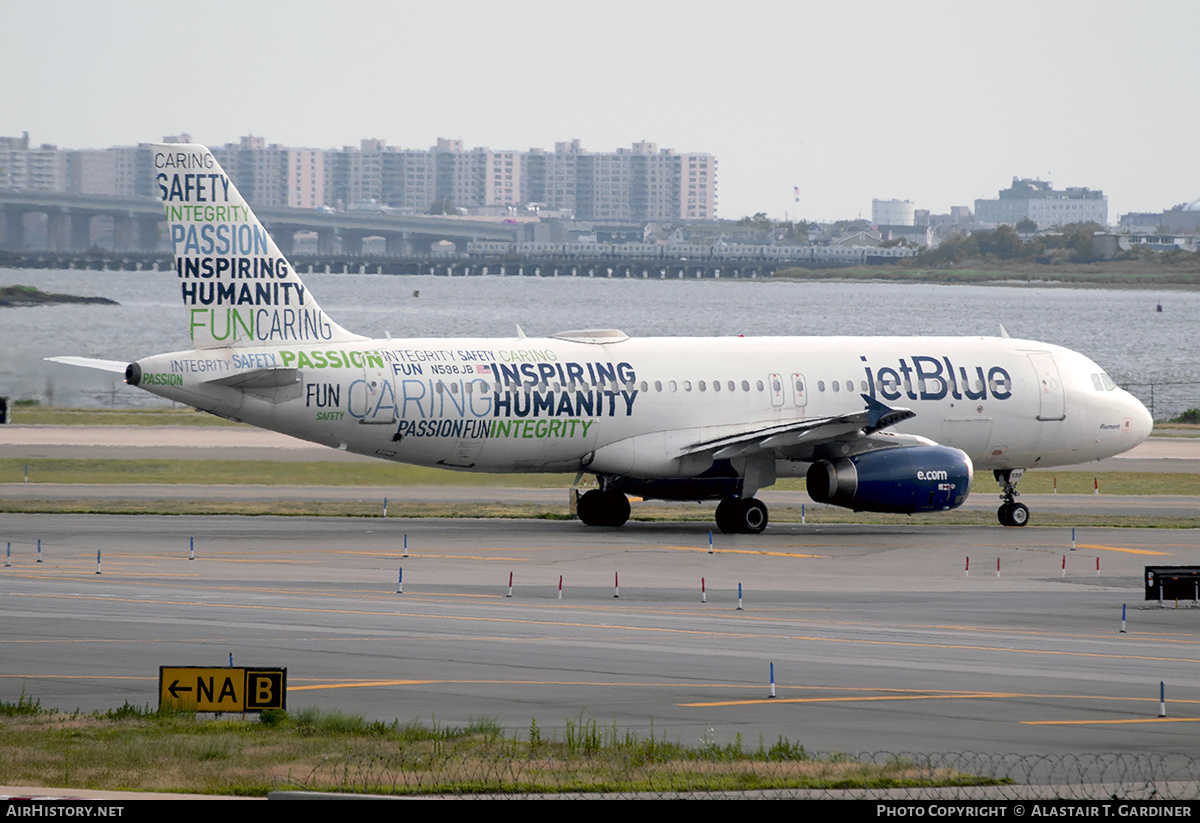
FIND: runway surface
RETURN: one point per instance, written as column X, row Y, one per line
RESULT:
column 880, row 641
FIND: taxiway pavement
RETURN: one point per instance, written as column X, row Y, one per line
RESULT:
column 880, row 640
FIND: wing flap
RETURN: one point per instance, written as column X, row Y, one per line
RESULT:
column 802, row 435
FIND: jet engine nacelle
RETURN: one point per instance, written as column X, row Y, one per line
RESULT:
column 902, row 480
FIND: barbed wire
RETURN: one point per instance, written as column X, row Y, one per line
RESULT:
column 868, row 775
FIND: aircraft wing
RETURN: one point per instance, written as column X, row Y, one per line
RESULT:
column 803, row 435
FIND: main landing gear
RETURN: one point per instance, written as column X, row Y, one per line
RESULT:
column 736, row 515
column 603, row 508
column 1011, row 513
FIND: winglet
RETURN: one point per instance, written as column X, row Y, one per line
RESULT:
column 1003, row 331
column 880, row 416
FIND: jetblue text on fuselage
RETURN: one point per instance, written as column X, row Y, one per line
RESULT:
column 931, row 377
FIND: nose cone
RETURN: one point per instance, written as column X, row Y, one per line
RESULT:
column 1139, row 424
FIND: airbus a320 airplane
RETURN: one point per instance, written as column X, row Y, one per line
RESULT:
column 885, row 424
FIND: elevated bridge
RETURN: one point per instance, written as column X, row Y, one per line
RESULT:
column 138, row 225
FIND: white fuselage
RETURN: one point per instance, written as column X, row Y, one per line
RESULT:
column 632, row 407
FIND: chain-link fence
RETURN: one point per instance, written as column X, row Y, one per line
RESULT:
column 1166, row 399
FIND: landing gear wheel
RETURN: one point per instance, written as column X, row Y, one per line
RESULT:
column 1013, row 514
column 737, row 516
column 728, row 512
column 603, row 508
column 754, row 516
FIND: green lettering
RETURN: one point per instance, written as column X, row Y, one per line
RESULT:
column 247, row 327
column 194, row 325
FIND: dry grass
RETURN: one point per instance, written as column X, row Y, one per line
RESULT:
column 134, row 749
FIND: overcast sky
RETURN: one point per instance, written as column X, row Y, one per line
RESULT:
column 935, row 102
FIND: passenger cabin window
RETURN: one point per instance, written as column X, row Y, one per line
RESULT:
column 820, row 385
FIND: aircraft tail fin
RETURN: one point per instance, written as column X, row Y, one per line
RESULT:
column 237, row 286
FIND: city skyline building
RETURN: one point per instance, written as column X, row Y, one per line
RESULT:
column 642, row 183
column 1036, row 200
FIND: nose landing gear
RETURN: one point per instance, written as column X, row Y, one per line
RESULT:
column 1011, row 513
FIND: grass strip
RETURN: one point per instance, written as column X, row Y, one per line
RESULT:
column 134, row 749
column 263, row 473
column 381, row 473
column 30, row 415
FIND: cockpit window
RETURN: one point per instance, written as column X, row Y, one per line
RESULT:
column 1109, row 385
column 1096, row 382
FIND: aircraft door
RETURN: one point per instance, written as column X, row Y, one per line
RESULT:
column 799, row 389
column 380, row 397
column 1051, row 398
column 776, row 386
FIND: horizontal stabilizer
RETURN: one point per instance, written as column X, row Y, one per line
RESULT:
column 117, row 366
